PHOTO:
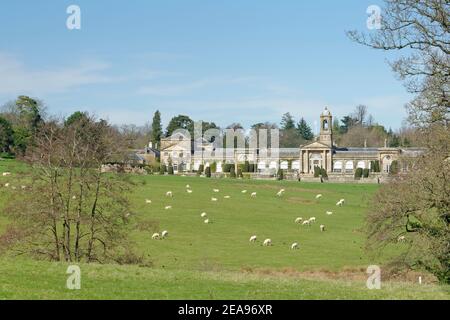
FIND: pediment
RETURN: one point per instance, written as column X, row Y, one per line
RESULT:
column 315, row 145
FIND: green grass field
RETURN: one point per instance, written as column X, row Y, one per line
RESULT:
column 216, row 260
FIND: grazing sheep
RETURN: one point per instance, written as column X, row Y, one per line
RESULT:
column 280, row 193
column 253, row 238
column 329, row 213
column 322, row 227
column 23, row 187
column 318, row 196
column 226, row 197
column 155, row 236
column 188, row 186
column 6, row 174
column 340, row 202
column 267, row 242
column 6, row 185
column 312, row 219
column 213, row 199
column 294, row 246
column 189, row 191
column 216, row 190
column 203, row 215
column 168, row 207
column 169, row 194
column 401, row 239
column 244, row 191
column 306, row 223
column 147, row 201
column 206, row 221
column 253, row 195
column 164, row 234
column 298, row 220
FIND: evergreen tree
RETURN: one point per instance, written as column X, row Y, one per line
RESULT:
column 156, row 128
column 287, row 122
column 305, row 130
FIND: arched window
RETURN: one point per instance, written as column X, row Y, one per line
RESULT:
column 325, row 124
column 349, row 166
column 361, row 164
column 337, row 167
column 284, row 165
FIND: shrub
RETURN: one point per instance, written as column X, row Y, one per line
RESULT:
column 366, row 173
column 208, row 172
column 213, row 167
column 239, row 173
column 395, row 168
column 324, row 173
column 280, row 174
column 251, row 167
column 170, row 169
column 232, row 172
column 200, row 170
column 162, row 169
column 375, row 166
column 227, row 167
column 316, row 171
column 246, row 166
column 358, row 173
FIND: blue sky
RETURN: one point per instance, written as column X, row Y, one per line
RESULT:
column 224, row 61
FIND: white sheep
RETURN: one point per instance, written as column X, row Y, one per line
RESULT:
column 226, row 197
column 280, row 193
column 147, row 201
column 206, row 221
column 213, row 199
column 312, row 219
column 298, row 220
column 189, row 191
column 164, row 234
column 329, row 213
column 188, row 186
column 340, row 202
column 244, row 191
column 6, row 174
column 253, row 195
column 6, row 185
column 253, row 238
column 294, row 246
column 169, row 194
column 322, row 227
column 23, row 187
column 306, row 223
column 267, row 242
column 168, row 207
column 318, row 196
column 401, row 239
column 155, row 236
column 203, row 215
column 216, row 190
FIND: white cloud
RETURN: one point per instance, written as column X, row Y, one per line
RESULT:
column 16, row 78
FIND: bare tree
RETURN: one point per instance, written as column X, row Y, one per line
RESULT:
column 421, row 29
column 72, row 211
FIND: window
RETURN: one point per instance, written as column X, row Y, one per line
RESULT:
column 337, row 167
column 325, row 125
column 349, row 166
column 361, row 164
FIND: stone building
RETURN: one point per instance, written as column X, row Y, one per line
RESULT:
column 179, row 150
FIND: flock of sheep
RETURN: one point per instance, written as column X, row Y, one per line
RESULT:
column 267, row 242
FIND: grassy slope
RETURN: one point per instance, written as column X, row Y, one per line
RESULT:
column 206, row 261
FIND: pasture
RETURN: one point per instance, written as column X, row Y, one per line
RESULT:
column 216, row 260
